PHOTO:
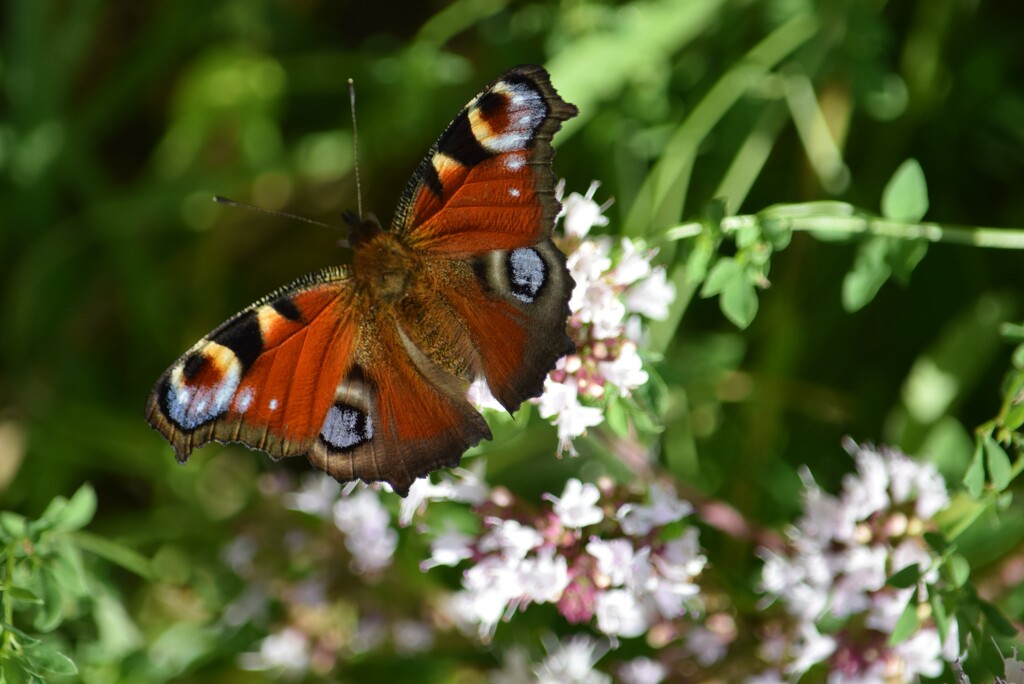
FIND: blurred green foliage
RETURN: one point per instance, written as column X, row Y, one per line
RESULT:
column 120, row 120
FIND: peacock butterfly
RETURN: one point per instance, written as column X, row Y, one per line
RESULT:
column 364, row 367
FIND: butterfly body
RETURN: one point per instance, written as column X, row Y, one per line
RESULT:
column 364, row 368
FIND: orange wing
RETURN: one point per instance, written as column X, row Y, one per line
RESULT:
column 484, row 198
column 487, row 182
column 294, row 374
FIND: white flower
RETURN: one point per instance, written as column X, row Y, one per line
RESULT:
column 921, row 655
column 652, row 296
column 577, row 507
column 626, row 371
column 810, row 648
column 466, row 485
column 769, row 677
column 510, row 536
column 614, row 559
column 421, row 491
column 479, row 394
column 680, row 559
column 597, row 303
column 286, row 650
column 886, row 609
column 825, row 518
column 587, row 264
column 367, row 527
column 1013, row 669
column 316, row 496
column 665, row 507
column 916, row 480
column 620, row 614
column 580, row 213
column 449, row 548
column 867, row 492
column 544, row 577
column 633, row 265
column 561, row 402
column 515, row 668
column 572, row 662
column 642, row 671
column 488, row 587
column 862, row 569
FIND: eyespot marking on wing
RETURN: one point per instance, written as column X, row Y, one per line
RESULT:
column 527, row 273
column 346, row 427
column 200, row 388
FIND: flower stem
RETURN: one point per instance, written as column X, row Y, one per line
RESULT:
column 838, row 219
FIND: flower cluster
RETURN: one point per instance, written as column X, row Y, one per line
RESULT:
column 626, row 566
column 615, row 285
column 844, row 550
column 291, row 574
column 570, row 661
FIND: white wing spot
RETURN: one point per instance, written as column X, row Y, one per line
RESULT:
column 272, row 405
column 514, row 192
column 346, row 427
column 514, row 162
column 244, row 400
column 526, row 274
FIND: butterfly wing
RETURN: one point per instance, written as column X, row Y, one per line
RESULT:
column 310, row 370
column 483, row 199
column 373, row 387
column 487, row 182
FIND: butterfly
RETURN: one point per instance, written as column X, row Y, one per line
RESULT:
column 364, row 367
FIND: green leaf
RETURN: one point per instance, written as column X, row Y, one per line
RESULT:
column 903, row 256
column 69, row 570
column 725, row 271
column 12, row 524
column 1014, row 418
column 716, row 211
column 997, row 620
column 938, row 613
column 22, row 595
column 739, row 302
column 777, row 231
column 115, row 553
column 937, row 541
column 79, row 509
column 615, row 417
column 747, row 235
column 907, row 623
column 869, row 273
column 999, row 466
column 699, row 258
column 907, row 577
column 974, row 478
column 959, row 569
column 51, row 613
column 905, row 197
column 51, row 660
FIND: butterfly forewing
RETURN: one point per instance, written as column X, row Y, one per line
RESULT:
column 266, row 376
column 487, row 181
column 365, row 369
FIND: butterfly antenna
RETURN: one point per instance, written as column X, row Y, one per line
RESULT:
column 355, row 146
column 252, row 207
